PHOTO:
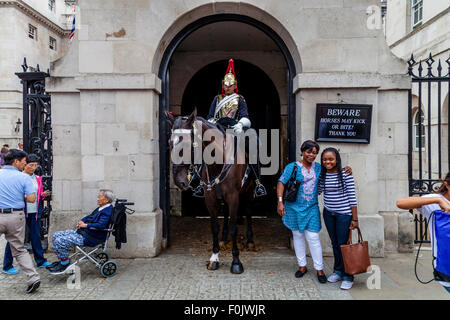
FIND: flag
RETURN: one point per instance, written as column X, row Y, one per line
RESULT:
column 72, row 33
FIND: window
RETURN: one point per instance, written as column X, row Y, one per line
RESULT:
column 419, row 138
column 416, row 12
column 32, row 32
column 52, row 43
column 51, row 5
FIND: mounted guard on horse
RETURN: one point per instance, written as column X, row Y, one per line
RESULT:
column 226, row 182
column 229, row 110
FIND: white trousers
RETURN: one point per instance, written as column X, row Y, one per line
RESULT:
column 314, row 247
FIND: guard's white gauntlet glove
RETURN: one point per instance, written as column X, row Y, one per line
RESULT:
column 244, row 122
column 237, row 128
column 212, row 120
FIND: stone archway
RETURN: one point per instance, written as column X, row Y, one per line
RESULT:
column 164, row 101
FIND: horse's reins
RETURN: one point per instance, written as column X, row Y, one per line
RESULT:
column 219, row 178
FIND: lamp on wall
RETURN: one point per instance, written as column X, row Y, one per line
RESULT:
column 18, row 123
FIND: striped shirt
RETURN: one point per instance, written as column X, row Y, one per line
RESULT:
column 336, row 199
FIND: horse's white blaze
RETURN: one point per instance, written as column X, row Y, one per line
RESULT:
column 214, row 257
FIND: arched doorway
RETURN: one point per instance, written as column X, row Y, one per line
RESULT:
column 164, row 103
column 263, row 105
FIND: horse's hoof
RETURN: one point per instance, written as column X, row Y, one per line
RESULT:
column 213, row 265
column 251, row 245
column 237, row 268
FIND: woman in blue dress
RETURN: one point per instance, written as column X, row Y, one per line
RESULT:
column 302, row 217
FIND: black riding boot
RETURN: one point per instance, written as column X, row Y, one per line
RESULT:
column 260, row 190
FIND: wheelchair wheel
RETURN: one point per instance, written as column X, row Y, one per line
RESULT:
column 108, row 269
column 102, row 257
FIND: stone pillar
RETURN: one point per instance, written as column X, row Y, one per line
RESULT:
column 114, row 141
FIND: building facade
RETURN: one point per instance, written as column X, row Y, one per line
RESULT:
column 420, row 28
column 131, row 60
column 31, row 29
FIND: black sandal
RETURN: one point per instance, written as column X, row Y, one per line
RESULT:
column 300, row 274
column 322, row 278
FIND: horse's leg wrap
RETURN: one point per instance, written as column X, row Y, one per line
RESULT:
column 212, row 206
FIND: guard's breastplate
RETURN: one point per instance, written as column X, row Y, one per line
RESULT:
column 229, row 109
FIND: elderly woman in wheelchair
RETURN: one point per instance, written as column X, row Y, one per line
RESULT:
column 92, row 231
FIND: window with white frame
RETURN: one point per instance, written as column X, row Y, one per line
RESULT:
column 32, row 32
column 416, row 12
column 51, row 5
column 52, row 43
column 419, row 138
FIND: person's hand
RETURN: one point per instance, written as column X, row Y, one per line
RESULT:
column 81, row 224
column 46, row 193
column 280, row 209
column 444, row 205
column 348, row 170
column 353, row 225
column 237, row 128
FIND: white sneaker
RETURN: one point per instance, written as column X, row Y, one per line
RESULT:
column 346, row 285
column 334, row 278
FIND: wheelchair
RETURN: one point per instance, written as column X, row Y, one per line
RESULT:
column 97, row 254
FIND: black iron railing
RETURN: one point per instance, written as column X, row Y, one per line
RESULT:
column 37, row 130
column 424, row 177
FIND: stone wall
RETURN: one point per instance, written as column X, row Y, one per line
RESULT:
column 109, row 80
column 16, row 45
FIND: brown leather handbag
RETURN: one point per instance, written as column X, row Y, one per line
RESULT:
column 355, row 255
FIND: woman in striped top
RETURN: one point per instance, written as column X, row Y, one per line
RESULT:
column 340, row 213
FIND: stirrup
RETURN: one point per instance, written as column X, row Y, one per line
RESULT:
column 260, row 191
column 199, row 192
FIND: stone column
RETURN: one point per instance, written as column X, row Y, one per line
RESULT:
column 106, row 136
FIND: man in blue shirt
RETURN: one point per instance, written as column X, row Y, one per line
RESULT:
column 15, row 188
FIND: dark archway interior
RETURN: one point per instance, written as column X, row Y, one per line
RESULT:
column 264, row 109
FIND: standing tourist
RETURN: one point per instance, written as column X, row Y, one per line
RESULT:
column 302, row 217
column 340, row 213
column 3, row 151
column 15, row 187
column 33, row 214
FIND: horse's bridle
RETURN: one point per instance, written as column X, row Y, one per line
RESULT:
column 193, row 170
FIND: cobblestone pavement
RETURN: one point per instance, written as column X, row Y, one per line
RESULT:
column 181, row 276
column 180, row 273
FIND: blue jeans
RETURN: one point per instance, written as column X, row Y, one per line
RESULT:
column 338, row 229
column 35, row 239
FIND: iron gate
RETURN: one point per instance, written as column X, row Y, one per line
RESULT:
column 37, row 133
column 427, row 100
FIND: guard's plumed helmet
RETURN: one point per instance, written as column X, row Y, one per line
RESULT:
column 230, row 76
